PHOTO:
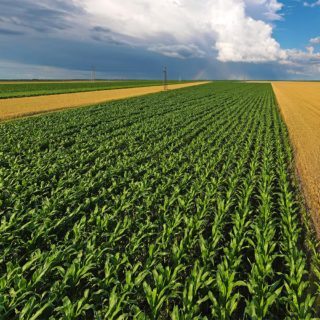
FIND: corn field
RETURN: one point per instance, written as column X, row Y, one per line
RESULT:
column 180, row 205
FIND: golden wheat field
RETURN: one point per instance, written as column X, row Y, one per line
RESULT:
column 300, row 105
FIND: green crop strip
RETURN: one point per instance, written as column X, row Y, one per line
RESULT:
column 178, row 205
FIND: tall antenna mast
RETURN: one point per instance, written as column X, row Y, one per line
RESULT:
column 165, row 78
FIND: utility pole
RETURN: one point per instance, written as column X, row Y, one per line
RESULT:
column 93, row 73
column 165, row 79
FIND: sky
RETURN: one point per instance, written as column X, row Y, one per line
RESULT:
column 134, row 39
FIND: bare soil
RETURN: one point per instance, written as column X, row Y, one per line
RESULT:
column 300, row 105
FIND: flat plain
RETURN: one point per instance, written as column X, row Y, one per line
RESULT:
column 177, row 205
column 300, row 106
column 36, row 88
column 19, row 107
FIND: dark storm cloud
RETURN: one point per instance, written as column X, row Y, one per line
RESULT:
column 107, row 40
column 8, row 32
column 105, row 35
column 126, row 61
column 44, row 16
column 101, row 29
column 79, row 55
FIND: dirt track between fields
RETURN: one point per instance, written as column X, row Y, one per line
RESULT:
column 257, row 81
column 300, row 105
column 20, row 107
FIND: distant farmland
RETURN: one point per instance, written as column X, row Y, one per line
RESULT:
column 178, row 205
column 26, row 106
column 27, row 89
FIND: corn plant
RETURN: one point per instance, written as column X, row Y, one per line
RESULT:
column 178, row 205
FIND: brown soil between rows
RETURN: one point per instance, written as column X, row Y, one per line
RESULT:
column 300, row 106
column 19, row 107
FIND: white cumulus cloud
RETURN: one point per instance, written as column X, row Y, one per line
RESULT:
column 303, row 62
column 264, row 9
column 242, row 38
column 312, row 4
column 315, row 40
column 230, row 30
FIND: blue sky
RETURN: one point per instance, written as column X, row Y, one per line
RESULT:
column 207, row 39
column 300, row 23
